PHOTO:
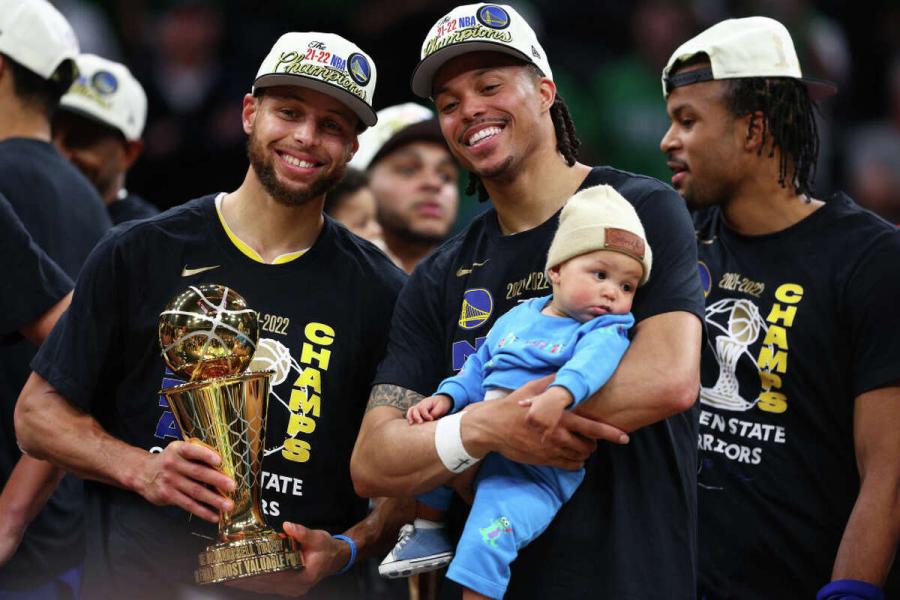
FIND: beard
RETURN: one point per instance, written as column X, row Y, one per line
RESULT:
column 263, row 164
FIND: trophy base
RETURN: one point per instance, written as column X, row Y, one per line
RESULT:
column 265, row 552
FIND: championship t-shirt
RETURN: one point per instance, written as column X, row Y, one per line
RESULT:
column 800, row 322
column 630, row 529
column 62, row 212
column 323, row 327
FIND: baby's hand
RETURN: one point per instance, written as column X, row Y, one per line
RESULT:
column 546, row 409
column 429, row 409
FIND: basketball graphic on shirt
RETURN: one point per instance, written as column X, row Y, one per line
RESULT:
column 744, row 329
column 272, row 355
column 208, row 331
column 739, row 323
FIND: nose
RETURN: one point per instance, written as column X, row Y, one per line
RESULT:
column 431, row 180
column 609, row 290
column 305, row 133
column 669, row 141
column 471, row 106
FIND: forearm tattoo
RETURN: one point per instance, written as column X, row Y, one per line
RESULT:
column 392, row 395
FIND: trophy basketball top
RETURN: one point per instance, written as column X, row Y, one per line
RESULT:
column 208, row 331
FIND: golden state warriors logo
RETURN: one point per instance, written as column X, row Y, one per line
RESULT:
column 359, row 69
column 477, row 306
column 493, row 16
column 104, row 82
column 705, row 278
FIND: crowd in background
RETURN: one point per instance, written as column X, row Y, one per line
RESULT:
column 194, row 58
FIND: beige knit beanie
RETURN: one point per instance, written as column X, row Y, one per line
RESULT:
column 599, row 218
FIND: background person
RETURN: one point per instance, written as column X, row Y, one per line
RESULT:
column 98, row 127
column 65, row 218
column 414, row 179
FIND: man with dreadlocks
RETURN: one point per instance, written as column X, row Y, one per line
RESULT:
column 800, row 404
column 502, row 119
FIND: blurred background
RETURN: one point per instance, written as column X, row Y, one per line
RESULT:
column 196, row 59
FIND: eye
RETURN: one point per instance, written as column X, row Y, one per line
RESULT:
column 334, row 126
column 600, row 274
column 686, row 122
column 447, row 106
column 287, row 113
column 490, row 88
column 627, row 288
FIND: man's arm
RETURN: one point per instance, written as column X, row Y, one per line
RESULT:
column 32, row 481
column 26, row 491
column 324, row 555
column 38, row 330
column 870, row 539
column 659, row 376
column 48, row 427
column 393, row 458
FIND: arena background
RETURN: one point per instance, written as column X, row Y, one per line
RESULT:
column 197, row 58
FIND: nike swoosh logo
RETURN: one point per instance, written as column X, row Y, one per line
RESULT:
column 462, row 271
column 185, row 272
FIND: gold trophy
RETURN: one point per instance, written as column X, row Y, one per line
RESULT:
column 208, row 336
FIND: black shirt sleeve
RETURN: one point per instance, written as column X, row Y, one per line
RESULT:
column 869, row 307
column 31, row 282
column 416, row 338
column 72, row 359
column 674, row 283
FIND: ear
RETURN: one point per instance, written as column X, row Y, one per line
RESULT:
column 752, row 124
column 133, row 151
column 353, row 148
column 553, row 272
column 248, row 112
column 547, row 92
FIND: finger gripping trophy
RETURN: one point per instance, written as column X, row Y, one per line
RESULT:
column 208, row 336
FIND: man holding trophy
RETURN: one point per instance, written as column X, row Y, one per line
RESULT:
column 319, row 302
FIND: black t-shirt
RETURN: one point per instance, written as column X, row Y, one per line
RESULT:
column 630, row 529
column 31, row 282
column 130, row 208
column 64, row 215
column 324, row 320
column 800, row 322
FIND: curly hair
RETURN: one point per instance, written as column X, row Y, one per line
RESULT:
column 567, row 142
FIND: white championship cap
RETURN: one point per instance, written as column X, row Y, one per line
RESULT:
column 397, row 126
column 108, row 93
column 473, row 28
column 326, row 63
column 35, row 35
column 741, row 48
column 599, row 218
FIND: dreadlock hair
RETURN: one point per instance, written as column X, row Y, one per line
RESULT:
column 790, row 121
column 567, row 142
column 37, row 92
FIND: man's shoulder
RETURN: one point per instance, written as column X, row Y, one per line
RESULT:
column 448, row 258
column 176, row 221
column 366, row 257
column 633, row 186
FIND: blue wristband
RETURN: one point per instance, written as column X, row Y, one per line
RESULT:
column 850, row 589
column 352, row 560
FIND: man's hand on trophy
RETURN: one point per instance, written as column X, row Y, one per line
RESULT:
column 185, row 475
column 323, row 555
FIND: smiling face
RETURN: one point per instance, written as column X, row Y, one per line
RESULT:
column 493, row 111
column 705, row 144
column 415, row 187
column 594, row 284
column 300, row 142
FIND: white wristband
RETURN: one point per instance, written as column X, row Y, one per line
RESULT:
column 449, row 446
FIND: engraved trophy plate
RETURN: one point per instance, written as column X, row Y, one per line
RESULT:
column 208, row 336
